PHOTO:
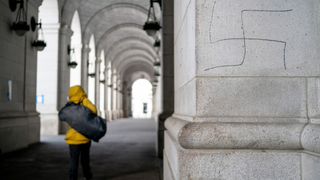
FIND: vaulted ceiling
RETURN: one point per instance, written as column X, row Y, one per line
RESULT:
column 117, row 29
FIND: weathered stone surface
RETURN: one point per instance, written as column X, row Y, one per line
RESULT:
column 251, row 97
column 185, row 99
column 244, row 119
column 184, row 45
column 256, row 38
column 310, row 166
column 191, row 135
column 228, row 164
column 310, row 138
column 171, row 151
column 313, row 98
column 166, row 169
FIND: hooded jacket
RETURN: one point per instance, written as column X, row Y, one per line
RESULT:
column 76, row 95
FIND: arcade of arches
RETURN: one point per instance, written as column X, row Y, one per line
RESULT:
column 236, row 95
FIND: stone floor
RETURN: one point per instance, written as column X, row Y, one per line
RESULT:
column 126, row 152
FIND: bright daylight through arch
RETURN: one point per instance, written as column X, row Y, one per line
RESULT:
column 141, row 99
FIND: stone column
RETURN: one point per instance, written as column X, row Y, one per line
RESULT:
column 115, row 97
column 47, row 81
column 129, row 98
column 119, row 102
column 124, row 99
column 112, row 95
column 84, row 66
column 167, row 74
column 65, row 34
column 106, row 93
column 246, row 91
column 97, row 85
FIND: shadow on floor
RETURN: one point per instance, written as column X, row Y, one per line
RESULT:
column 126, row 152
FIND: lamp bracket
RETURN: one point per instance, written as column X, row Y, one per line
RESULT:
column 158, row 1
column 69, row 49
column 34, row 24
column 92, row 75
column 13, row 4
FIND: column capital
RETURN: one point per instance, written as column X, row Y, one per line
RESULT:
column 86, row 48
column 65, row 29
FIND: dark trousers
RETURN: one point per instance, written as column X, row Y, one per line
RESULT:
column 76, row 151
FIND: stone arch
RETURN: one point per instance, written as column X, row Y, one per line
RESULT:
column 132, row 51
column 122, row 31
column 139, row 75
column 67, row 11
column 131, row 13
column 141, row 67
column 129, row 43
column 115, row 29
column 129, row 60
column 126, row 75
column 126, row 40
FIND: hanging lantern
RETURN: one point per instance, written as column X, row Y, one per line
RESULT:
column 92, row 75
column 20, row 26
column 151, row 27
column 156, row 43
column 38, row 43
column 72, row 64
column 157, row 63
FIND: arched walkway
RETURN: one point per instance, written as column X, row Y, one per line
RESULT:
column 125, row 152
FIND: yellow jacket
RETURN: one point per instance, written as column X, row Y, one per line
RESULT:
column 76, row 95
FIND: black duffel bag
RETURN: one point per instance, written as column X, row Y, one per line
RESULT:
column 83, row 120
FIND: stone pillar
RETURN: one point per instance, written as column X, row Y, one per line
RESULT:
column 119, row 102
column 115, row 96
column 106, row 98
column 84, row 66
column 47, row 81
column 129, row 99
column 167, row 74
column 246, row 91
column 124, row 99
column 112, row 96
column 65, row 34
column 97, row 85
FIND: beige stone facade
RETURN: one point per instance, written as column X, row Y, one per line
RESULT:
column 236, row 94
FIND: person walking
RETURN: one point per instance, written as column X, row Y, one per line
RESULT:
column 79, row 145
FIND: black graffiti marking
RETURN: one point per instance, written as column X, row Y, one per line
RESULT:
column 245, row 39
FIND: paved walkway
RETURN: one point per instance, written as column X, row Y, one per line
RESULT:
column 127, row 152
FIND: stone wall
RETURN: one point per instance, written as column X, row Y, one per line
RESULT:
column 19, row 121
column 246, row 91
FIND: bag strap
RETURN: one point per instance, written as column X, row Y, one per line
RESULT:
column 80, row 102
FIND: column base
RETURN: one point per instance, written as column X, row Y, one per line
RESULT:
column 180, row 163
column 114, row 114
column 49, row 123
column 109, row 116
column 215, row 150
